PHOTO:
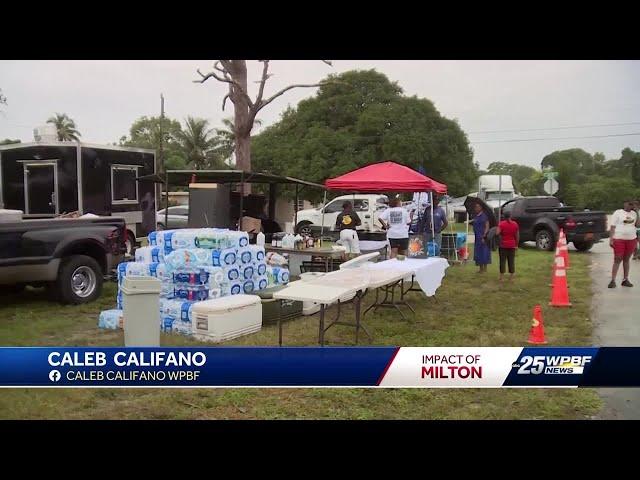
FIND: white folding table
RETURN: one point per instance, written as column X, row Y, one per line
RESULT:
column 326, row 290
column 428, row 271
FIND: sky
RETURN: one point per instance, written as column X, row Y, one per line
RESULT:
column 535, row 97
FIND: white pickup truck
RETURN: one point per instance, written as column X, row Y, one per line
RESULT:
column 368, row 207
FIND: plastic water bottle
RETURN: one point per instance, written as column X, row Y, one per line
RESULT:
column 260, row 239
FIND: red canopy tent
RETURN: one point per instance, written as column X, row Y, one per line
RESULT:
column 385, row 177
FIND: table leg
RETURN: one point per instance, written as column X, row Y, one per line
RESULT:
column 402, row 293
column 321, row 332
column 393, row 298
column 280, row 323
column 373, row 304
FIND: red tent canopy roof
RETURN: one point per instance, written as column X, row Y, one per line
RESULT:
column 385, row 177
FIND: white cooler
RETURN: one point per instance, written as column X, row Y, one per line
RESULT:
column 226, row 318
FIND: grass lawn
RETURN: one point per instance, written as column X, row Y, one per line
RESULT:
column 470, row 310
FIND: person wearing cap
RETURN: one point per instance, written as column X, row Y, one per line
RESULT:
column 623, row 238
column 346, row 224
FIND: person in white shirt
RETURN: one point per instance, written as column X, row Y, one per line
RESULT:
column 396, row 221
column 623, row 240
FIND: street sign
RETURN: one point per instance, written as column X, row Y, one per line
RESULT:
column 550, row 175
column 551, row 186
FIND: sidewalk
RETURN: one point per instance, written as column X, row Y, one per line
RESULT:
column 615, row 319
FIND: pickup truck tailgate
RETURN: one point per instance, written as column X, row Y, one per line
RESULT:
column 583, row 222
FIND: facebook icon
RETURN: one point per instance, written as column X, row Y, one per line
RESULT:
column 54, row 375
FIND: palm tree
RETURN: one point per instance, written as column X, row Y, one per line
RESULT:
column 227, row 138
column 197, row 144
column 65, row 127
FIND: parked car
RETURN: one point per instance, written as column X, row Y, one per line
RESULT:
column 368, row 208
column 70, row 257
column 178, row 217
column 541, row 218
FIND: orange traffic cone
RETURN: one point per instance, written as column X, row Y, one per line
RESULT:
column 562, row 247
column 536, row 335
column 559, row 289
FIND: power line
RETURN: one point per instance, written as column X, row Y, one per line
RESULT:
column 557, row 128
column 557, row 138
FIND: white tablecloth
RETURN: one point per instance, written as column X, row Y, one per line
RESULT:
column 371, row 245
column 429, row 272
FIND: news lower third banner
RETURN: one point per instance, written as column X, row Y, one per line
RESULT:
column 395, row 367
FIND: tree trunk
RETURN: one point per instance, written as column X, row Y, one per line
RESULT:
column 242, row 129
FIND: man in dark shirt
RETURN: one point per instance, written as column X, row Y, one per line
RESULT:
column 440, row 222
column 348, row 219
column 346, row 223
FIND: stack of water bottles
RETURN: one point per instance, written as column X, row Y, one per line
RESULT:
column 195, row 265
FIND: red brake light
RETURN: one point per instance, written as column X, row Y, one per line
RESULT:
column 570, row 223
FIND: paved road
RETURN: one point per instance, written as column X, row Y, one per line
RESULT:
column 616, row 324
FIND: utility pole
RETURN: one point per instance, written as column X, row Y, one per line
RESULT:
column 163, row 169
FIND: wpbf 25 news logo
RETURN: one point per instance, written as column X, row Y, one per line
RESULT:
column 550, row 367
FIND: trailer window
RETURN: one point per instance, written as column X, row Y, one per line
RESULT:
column 124, row 187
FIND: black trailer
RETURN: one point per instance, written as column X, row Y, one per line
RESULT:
column 47, row 179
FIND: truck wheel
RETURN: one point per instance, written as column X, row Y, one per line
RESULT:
column 79, row 280
column 583, row 246
column 304, row 228
column 130, row 243
column 545, row 240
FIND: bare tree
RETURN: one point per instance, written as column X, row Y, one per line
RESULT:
column 234, row 73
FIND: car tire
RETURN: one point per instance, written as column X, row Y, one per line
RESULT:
column 583, row 246
column 130, row 242
column 545, row 240
column 79, row 280
column 304, row 228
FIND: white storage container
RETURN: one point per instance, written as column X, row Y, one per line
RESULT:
column 226, row 318
column 10, row 216
column 141, row 311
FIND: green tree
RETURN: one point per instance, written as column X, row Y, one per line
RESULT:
column 519, row 173
column 606, row 193
column 573, row 166
column 532, row 185
column 146, row 132
column 226, row 140
column 197, row 144
column 65, row 127
column 631, row 161
column 358, row 118
column 9, row 141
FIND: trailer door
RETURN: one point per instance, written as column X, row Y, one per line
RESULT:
column 40, row 187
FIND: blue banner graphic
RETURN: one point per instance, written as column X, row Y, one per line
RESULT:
column 193, row 367
column 393, row 367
